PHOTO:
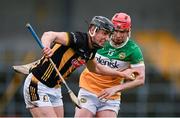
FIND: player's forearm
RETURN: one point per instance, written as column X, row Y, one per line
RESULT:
column 48, row 38
column 97, row 68
column 107, row 71
column 139, row 81
column 130, row 85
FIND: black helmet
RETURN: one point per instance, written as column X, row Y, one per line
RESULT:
column 102, row 22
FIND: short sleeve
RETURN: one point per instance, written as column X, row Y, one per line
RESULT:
column 75, row 39
column 137, row 56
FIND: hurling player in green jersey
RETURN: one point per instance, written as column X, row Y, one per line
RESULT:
column 100, row 95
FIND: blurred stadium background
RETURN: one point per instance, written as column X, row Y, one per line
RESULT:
column 155, row 26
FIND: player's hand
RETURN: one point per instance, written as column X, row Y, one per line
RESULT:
column 130, row 74
column 106, row 93
column 47, row 52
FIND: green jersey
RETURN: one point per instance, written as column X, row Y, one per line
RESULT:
column 129, row 55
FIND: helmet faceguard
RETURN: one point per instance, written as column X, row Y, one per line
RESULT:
column 121, row 21
column 100, row 23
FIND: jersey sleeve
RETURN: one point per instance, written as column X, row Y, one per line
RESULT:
column 78, row 41
column 137, row 56
column 74, row 39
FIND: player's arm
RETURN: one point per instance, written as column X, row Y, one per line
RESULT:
column 140, row 80
column 47, row 39
column 53, row 37
column 95, row 67
column 57, row 37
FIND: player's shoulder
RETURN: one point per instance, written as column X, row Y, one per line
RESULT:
column 78, row 37
column 132, row 43
column 79, row 34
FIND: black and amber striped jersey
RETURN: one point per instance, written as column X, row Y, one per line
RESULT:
column 66, row 58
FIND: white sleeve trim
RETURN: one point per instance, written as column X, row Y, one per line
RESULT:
column 137, row 65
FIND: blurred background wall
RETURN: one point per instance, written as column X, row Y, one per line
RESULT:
column 155, row 26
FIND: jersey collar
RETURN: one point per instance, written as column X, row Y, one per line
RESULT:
column 119, row 46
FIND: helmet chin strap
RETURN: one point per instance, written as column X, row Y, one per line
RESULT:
column 129, row 34
column 93, row 34
column 94, row 44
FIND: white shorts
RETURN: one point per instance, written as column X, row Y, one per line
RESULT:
column 37, row 94
column 91, row 102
